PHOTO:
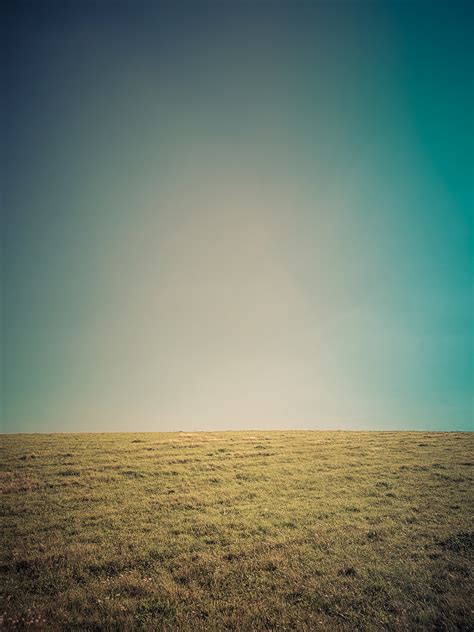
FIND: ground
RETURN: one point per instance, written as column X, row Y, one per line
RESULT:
column 237, row 530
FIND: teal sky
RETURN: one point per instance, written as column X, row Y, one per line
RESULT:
column 237, row 215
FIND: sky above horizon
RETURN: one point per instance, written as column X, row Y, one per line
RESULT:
column 237, row 215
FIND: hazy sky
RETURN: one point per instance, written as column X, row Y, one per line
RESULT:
column 239, row 214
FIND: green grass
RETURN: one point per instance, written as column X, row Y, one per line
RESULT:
column 237, row 530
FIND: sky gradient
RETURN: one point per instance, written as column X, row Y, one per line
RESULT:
column 237, row 215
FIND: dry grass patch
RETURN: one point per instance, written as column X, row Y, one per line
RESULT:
column 237, row 530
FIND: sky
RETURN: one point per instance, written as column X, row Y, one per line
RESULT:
column 237, row 215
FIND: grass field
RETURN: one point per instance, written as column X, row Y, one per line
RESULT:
column 237, row 530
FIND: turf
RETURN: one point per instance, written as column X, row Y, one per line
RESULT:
column 237, row 530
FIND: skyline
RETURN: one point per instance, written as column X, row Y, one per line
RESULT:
column 251, row 215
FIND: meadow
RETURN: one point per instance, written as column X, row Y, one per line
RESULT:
column 289, row 530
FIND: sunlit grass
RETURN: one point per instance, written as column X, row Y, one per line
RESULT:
column 237, row 530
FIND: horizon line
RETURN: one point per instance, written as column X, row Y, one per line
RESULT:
column 347, row 430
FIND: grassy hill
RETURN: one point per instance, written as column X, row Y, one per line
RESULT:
column 237, row 530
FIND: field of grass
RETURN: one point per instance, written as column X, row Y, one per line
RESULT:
column 237, row 530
